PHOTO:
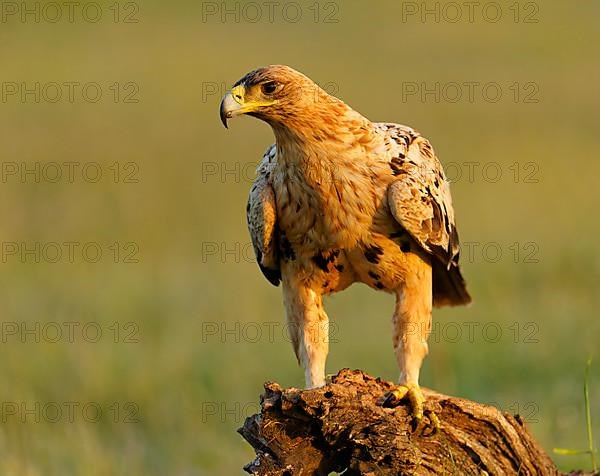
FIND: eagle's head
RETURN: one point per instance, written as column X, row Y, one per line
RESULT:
column 280, row 96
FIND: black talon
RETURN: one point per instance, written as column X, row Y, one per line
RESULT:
column 387, row 400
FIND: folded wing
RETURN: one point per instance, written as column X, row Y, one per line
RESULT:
column 262, row 220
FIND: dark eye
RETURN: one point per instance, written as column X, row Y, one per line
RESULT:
column 269, row 88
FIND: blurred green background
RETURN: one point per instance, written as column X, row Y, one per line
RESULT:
column 189, row 328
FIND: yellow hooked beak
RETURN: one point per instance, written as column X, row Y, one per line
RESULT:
column 234, row 104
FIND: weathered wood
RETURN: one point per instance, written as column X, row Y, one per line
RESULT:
column 341, row 427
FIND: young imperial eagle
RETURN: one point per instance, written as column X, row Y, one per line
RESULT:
column 339, row 199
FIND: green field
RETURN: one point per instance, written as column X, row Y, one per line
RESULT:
column 135, row 294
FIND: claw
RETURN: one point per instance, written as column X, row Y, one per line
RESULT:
column 416, row 400
column 434, row 422
column 393, row 397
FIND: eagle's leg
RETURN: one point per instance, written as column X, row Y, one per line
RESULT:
column 308, row 328
column 411, row 328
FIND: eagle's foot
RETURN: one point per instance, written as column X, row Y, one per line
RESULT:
column 413, row 393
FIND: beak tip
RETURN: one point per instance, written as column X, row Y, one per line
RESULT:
column 223, row 114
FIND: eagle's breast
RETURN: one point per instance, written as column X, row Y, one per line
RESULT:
column 321, row 207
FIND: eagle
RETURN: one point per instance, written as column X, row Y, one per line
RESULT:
column 339, row 199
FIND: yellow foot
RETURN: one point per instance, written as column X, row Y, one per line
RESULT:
column 413, row 393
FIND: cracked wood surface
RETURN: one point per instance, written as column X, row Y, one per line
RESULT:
column 340, row 427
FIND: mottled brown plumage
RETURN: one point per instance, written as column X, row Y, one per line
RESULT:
column 339, row 199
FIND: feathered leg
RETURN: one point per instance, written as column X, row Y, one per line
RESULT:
column 411, row 327
column 308, row 327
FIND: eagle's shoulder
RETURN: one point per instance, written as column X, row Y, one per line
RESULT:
column 267, row 163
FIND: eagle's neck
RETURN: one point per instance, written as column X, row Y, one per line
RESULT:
column 328, row 138
column 323, row 168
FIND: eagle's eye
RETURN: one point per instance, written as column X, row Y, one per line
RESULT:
column 269, row 88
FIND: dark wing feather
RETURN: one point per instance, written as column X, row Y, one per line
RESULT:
column 262, row 220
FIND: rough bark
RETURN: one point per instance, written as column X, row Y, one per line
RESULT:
column 341, row 427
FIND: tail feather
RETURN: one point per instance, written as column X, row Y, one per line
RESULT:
column 449, row 287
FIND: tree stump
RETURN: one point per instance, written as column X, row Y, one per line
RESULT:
column 341, row 427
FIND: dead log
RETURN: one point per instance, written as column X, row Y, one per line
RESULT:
column 341, row 427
